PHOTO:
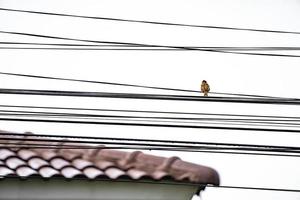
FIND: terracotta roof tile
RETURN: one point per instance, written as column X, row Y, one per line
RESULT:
column 98, row 163
column 92, row 172
column 137, row 174
column 25, row 171
column 5, row 171
column 81, row 163
column 70, row 172
column 37, row 163
column 14, row 162
column 103, row 164
column 5, row 153
column 47, row 172
column 158, row 175
column 114, row 173
column 59, row 163
column 26, row 154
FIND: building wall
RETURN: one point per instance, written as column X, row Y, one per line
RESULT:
column 61, row 189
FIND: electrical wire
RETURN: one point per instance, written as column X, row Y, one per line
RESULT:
column 151, row 119
column 148, row 45
column 182, row 147
column 149, row 112
column 282, row 101
column 150, row 22
column 130, row 146
column 77, row 144
column 266, row 120
column 126, row 84
column 169, row 149
column 255, row 188
column 68, row 46
column 141, row 147
column 95, row 140
column 122, row 123
column 145, row 49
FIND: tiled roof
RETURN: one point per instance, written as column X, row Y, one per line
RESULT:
column 96, row 163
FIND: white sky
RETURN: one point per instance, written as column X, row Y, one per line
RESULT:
column 273, row 76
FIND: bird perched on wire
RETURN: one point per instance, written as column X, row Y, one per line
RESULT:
column 205, row 88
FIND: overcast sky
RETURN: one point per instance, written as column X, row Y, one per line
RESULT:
column 261, row 75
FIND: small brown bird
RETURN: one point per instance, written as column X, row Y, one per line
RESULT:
column 205, row 88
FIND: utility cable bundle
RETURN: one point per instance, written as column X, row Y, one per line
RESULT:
column 17, row 140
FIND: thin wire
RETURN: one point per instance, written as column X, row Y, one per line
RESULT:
column 218, row 121
column 106, row 45
column 75, row 45
column 91, row 140
column 147, row 111
column 147, row 49
column 178, row 150
column 123, row 84
column 254, row 120
column 153, row 125
column 136, row 146
column 71, row 143
column 150, row 22
column 254, row 188
column 147, row 45
column 283, row 101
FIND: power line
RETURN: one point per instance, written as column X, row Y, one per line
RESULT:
column 150, row 111
column 150, row 22
column 126, row 84
column 17, row 112
column 137, row 118
column 141, row 142
column 147, row 45
column 282, row 101
column 239, row 149
column 151, row 149
column 76, row 46
column 255, row 188
column 151, row 125
column 73, row 44
column 140, row 146
column 144, row 49
column 166, row 149
column 94, row 139
column 182, row 144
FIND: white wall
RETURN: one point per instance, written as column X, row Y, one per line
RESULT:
column 33, row 189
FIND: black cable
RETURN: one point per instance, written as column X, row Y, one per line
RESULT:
column 78, row 45
column 78, row 144
column 125, row 84
column 146, row 45
column 150, row 22
column 145, row 49
column 218, row 121
column 262, row 48
column 252, row 120
column 95, row 140
column 143, row 147
column 175, row 150
column 148, row 111
column 93, row 49
column 283, row 101
column 255, row 188
column 97, row 82
column 153, row 125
